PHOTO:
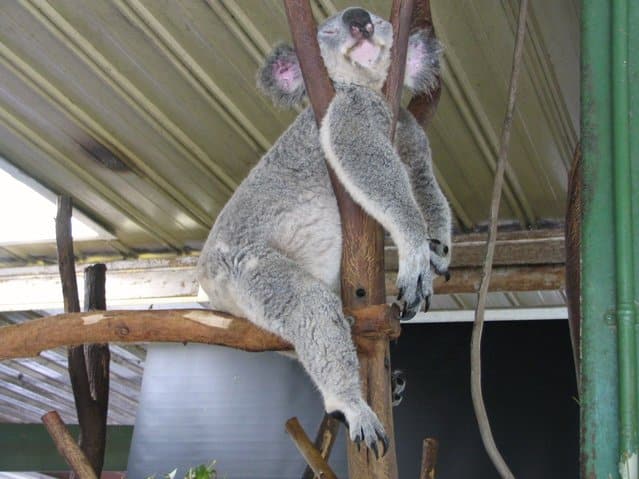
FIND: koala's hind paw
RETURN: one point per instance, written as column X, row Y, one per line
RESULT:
column 364, row 427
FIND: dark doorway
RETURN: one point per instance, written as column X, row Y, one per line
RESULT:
column 529, row 389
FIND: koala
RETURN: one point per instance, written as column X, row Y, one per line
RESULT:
column 273, row 255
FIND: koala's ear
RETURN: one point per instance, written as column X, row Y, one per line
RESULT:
column 422, row 62
column 280, row 77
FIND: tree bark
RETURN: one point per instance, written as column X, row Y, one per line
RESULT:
column 181, row 325
column 88, row 364
column 67, row 447
column 326, row 435
column 92, row 393
column 430, row 449
column 311, row 455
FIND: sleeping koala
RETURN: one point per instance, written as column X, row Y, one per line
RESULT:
column 273, row 255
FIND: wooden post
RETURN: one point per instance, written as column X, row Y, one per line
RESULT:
column 66, row 260
column 362, row 256
column 89, row 375
column 430, row 449
column 93, row 402
column 67, row 447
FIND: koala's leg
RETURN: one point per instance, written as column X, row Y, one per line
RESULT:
column 278, row 295
column 354, row 137
column 414, row 150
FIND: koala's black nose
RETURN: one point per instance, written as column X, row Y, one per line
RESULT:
column 359, row 22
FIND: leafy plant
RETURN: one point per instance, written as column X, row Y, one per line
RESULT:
column 200, row 472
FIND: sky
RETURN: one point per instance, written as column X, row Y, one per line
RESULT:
column 28, row 217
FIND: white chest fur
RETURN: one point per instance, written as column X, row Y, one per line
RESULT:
column 312, row 236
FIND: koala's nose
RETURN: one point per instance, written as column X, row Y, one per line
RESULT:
column 359, row 22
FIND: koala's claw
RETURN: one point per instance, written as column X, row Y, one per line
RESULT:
column 427, row 303
column 366, row 428
column 410, row 310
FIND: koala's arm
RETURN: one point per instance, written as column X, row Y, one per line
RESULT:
column 354, row 137
column 414, row 150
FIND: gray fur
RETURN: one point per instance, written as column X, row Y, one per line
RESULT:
column 423, row 44
column 282, row 57
column 273, row 255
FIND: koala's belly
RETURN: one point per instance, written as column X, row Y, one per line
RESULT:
column 312, row 236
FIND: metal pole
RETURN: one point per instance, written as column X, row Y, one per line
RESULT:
column 599, row 408
column 624, row 261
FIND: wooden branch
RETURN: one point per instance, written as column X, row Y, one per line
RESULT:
column 181, row 325
column 545, row 277
column 66, row 264
column 319, row 87
column 430, row 448
column 67, row 447
column 475, row 342
column 312, row 456
column 400, row 18
column 363, row 264
column 324, row 440
column 66, row 260
column 92, row 394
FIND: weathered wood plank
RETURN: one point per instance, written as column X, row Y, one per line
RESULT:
column 547, row 277
column 512, row 248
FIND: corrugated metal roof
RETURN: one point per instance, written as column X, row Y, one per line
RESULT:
column 30, row 388
column 147, row 114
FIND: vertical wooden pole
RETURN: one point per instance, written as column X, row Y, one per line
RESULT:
column 66, row 260
column 362, row 274
column 88, row 369
column 93, row 426
column 430, row 449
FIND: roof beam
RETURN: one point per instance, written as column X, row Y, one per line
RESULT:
column 524, row 261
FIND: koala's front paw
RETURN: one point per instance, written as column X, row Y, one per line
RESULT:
column 440, row 257
column 415, row 281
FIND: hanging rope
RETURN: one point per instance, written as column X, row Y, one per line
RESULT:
column 475, row 347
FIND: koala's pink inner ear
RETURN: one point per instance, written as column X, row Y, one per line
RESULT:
column 288, row 75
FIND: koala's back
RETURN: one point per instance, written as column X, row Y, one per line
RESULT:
column 286, row 203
